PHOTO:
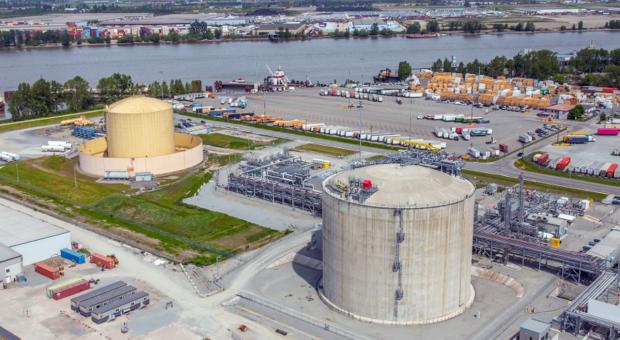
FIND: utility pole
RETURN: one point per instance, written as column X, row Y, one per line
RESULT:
column 360, row 136
column 410, row 123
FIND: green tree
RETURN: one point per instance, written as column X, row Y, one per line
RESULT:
column 404, row 70
column 374, row 29
column 612, row 75
column 432, row 26
column 447, row 65
column 576, row 112
column 414, row 28
column 580, row 25
column 218, row 33
column 165, row 90
column 77, row 94
column 173, row 36
column 209, row 35
column 115, row 87
column 530, row 26
column 437, row 66
column 66, row 40
column 20, row 103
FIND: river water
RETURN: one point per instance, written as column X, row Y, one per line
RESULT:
column 321, row 59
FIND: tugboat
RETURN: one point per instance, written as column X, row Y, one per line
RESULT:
column 385, row 76
column 276, row 81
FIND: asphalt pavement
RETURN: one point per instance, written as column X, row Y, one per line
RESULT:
column 504, row 166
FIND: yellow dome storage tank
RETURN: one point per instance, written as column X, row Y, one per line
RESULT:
column 139, row 127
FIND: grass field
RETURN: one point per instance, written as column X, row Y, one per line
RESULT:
column 52, row 178
column 324, row 149
column 233, row 142
column 527, row 164
column 47, row 120
column 482, row 178
column 184, row 231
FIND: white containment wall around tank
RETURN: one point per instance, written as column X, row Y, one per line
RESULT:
column 403, row 255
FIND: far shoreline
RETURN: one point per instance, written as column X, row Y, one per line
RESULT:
column 261, row 39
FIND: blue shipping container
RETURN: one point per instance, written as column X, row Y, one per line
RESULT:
column 578, row 139
column 74, row 256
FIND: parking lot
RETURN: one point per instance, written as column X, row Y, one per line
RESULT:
column 390, row 117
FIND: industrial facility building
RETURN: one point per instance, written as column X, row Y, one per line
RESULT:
column 140, row 138
column 10, row 264
column 397, row 244
column 35, row 240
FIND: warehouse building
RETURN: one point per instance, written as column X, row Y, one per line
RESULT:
column 35, row 240
column 10, row 264
column 608, row 248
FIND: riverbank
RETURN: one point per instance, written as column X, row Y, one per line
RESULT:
column 298, row 39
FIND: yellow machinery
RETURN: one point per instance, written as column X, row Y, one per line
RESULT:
column 420, row 145
column 555, row 242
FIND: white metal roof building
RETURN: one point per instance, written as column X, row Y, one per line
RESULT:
column 34, row 239
column 10, row 264
column 608, row 248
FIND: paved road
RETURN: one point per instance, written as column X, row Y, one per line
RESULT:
column 504, row 166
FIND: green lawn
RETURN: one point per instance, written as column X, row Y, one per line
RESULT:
column 527, row 164
column 47, row 120
column 29, row 177
column 233, row 142
column 324, row 149
column 483, row 178
column 158, row 214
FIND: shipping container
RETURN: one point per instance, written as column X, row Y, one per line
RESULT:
column 503, row 148
column 577, row 139
column 607, row 131
column 72, row 255
column 49, row 291
column 71, row 290
column 102, row 261
column 47, row 271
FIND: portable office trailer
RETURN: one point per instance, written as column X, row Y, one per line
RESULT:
column 120, row 307
column 86, row 307
column 76, row 301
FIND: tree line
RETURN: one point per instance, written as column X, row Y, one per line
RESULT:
column 589, row 66
column 44, row 98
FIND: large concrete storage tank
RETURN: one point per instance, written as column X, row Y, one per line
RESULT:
column 139, row 127
column 397, row 244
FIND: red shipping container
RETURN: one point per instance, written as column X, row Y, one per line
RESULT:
column 102, row 261
column 47, row 271
column 608, row 90
column 612, row 169
column 70, row 290
column 503, row 148
column 607, row 131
